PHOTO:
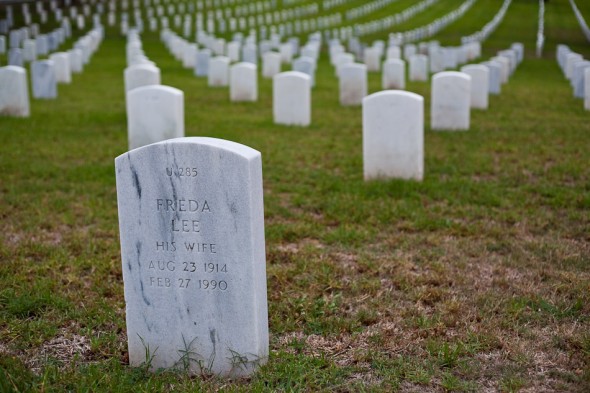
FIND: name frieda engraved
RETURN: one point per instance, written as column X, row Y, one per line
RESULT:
column 191, row 224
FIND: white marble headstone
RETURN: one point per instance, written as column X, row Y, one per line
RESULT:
column 29, row 50
column 292, row 98
column 15, row 57
column 243, row 85
column 450, row 101
column 154, row 113
column 393, row 135
column 63, row 72
column 480, row 78
column 271, row 64
column 307, row 65
column 202, row 62
column 495, row 73
column 141, row 75
column 418, row 68
column 587, row 89
column 76, row 60
column 218, row 71
column 353, row 84
column 14, row 92
column 43, row 79
column 373, row 59
column 394, row 74
column 191, row 225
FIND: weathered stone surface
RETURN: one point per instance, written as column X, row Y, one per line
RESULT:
column 193, row 255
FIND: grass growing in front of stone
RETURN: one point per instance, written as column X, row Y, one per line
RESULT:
column 477, row 278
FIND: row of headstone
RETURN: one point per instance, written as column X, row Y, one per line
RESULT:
column 26, row 45
column 45, row 74
column 420, row 33
column 503, row 65
column 387, row 23
column 367, row 8
column 220, row 20
column 455, row 93
column 581, row 20
column 217, row 68
column 490, row 27
column 287, row 21
column 541, row 29
column 576, row 69
column 140, row 71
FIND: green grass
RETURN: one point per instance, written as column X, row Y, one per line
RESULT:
column 477, row 277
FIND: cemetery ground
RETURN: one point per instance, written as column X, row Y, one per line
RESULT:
column 477, row 278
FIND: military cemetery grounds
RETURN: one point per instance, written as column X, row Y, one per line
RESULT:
column 460, row 262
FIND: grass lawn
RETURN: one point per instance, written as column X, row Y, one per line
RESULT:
column 476, row 279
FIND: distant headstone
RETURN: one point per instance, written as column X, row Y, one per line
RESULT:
column 141, row 75
column 191, row 225
column 202, row 62
column 76, row 60
column 271, row 64
column 394, row 52
column 353, row 84
column 480, row 78
column 418, row 68
column 495, row 73
column 505, row 64
column 393, row 136
column 189, row 56
column 63, row 72
column 578, row 78
column 587, row 89
column 15, row 57
column 307, row 65
column 373, row 59
column 451, row 98
column 2, row 45
column 14, row 92
column 154, row 113
column 43, row 79
column 394, row 74
column 219, row 71
column 243, row 84
column 250, row 54
column 233, row 51
column 409, row 51
column 292, row 98
column 29, row 50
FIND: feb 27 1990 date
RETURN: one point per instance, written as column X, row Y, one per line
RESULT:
column 184, row 283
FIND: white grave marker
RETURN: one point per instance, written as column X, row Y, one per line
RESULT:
column 192, row 247
column 14, row 92
column 393, row 135
column 292, row 98
column 243, row 84
column 451, row 98
column 154, row 113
